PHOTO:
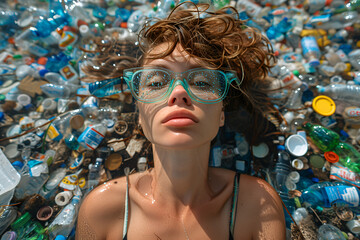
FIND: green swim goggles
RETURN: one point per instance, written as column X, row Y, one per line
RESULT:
column 150, row 85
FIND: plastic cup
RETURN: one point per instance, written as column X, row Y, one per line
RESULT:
column 296, row 145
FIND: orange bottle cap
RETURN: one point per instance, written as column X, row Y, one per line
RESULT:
column 331, row 157
column 42, row 60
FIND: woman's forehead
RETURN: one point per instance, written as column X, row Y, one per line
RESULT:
column 179, row 60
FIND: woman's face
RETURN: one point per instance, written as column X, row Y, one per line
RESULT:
column 179, row 122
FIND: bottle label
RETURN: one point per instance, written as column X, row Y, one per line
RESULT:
column 341, row 173
column 90, row 138
column 343, row 195
column 53, row 133
column 309, row 44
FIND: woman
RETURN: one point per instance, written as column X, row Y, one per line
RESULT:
column 182, row 90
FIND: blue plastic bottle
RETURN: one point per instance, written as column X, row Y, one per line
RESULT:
column 311, row 50
column 282, row 169
column 325, row 194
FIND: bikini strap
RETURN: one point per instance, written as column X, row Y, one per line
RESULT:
column 126, row 208
column 234, row 203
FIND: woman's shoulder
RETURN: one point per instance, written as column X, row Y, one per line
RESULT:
column 101, row 209
column 259, row 205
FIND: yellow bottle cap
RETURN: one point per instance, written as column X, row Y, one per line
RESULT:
column 348, row 67
column 324, row 105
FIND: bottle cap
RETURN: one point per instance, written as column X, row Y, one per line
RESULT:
column 317, row 161
column 297, row 164
column 331, row 157
column 354, row 226
column 294, row 176
column 60, row 237
column 324, row 105
column 296, row 145
column 77, row 121
column 261, row 150
column 18, row 164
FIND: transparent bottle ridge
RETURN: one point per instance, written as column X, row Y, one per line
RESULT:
column 343, row 92
column 94, row 173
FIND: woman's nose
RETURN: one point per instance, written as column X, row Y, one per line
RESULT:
column 179, row 96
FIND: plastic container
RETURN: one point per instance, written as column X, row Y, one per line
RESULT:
column 9, row 179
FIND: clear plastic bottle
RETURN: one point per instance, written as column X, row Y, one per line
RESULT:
column 325, row 194
column 7, row 217
column 54, row 180
column 64, row 222
column 33, row 176
column 343, row 92
column 330, row 232
column 281, row 169
column 94, row 174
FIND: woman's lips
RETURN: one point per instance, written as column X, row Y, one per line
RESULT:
column 180, row 118
column 179, row 122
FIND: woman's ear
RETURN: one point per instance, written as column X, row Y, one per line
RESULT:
column 222, row 119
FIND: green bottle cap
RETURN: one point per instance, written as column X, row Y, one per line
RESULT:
column 20, row 222
column 296, row 73
column 2, row 98
column 17, row 56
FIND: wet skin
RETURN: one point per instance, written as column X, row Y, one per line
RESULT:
column 181, row 198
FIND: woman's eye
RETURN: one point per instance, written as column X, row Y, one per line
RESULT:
column 201, row 84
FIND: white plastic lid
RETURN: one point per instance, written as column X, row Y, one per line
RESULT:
column 11, row 151
column 24, row 99
column 49, row 104
column 296, row 145
column 261, row 150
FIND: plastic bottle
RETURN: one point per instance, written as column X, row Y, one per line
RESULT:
column 282, row 169
column 33, row 176
column 294, row 100
column 9, row 178
column 26, row 228
column 343, row 92
column 325, row 139
column 330, row 232
column 325, row 194
column 354, row 57
column 311, row 50
column 348, row 156
column 54, row 180
column 64, row 222
column 94, row 174
column 7, row 217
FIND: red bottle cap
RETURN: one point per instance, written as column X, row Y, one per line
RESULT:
column 331, row 157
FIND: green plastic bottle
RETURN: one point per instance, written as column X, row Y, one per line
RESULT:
column 348, row 156
column 325, row 139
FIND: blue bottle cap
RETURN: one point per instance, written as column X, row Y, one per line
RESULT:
column 315, row 179
column 280, row 147
column 18, row 164
column 2, row 116
column 344, row 134
column 60, row 237
column 42, row 72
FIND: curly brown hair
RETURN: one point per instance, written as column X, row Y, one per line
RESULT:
column 217, row 40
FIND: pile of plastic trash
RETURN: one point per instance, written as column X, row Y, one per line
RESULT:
column 60, row 136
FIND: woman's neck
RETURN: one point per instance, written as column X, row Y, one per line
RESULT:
column 181, row 176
